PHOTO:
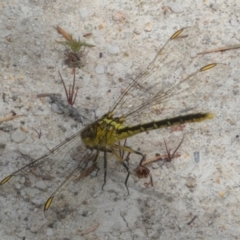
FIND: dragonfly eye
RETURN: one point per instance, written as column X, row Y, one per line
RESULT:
column 88, row 133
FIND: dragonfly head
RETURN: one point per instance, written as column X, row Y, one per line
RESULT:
column 88, row 135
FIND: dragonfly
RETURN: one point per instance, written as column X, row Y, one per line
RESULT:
column 157, row 85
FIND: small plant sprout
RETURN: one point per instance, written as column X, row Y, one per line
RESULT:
column 71, row 92
column 75, row 49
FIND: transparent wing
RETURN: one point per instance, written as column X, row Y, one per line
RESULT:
column 37, row 180
column 81, row 186
column 61, row 179
column 70, row 193
column 175, row 75
column 54, row 157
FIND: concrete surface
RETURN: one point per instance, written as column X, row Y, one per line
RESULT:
column 196, row 196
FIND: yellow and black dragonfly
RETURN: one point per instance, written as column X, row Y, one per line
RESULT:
column 162, row 84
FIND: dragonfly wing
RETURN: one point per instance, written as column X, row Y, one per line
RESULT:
column 175, row 73
column 82, row 184
column 37, row 180
column 78, row 185
column 45, row 164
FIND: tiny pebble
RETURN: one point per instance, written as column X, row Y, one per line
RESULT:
column 17, row 186
column 148, row 27
column 36, row 201
column 30, row 192
column 176, row 7
column 38, row 43
column 99, row 69
column 119, row 16
column 41, row 184
column 191, row 182
column 113, row 49
column 137, row 31
column 55, row 108
column 83, row 13
column 18, row 137
column 215, row 6
column 193, row 54
column 196, row 157
column 49, row 232
column 234, row 22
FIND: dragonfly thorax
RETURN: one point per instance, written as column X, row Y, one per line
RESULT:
column 103, row 132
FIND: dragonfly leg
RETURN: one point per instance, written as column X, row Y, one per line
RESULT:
column 105, row 168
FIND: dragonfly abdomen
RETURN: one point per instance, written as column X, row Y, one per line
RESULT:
column 190, row 118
